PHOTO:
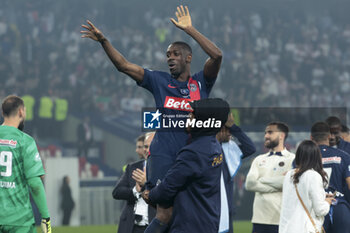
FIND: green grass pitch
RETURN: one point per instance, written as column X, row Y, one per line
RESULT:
column 239, row 227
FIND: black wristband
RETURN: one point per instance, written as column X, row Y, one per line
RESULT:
column 143, row 188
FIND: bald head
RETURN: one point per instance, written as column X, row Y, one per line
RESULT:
column 148, row 140
column 13, row 111
column 11, row 105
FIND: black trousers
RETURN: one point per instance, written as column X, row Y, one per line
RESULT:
column 138, row 229
column 264, row 228
column 66, row 216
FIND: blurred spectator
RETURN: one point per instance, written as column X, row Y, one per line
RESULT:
column 46, row 116
column 140, row 146
column 67, row 202
column 285, row 58
column 29, row 103
column 139, row 150
column 85, row 137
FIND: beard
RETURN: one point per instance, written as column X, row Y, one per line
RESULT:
column 21, row 125
column 271, row 144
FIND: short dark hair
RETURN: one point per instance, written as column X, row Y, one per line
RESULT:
column 333, row 121
column 281, row 127
column 307, row 157
column 206, row 109
column 344, row 129
column 141, row 138
column 320, row 131
column 10, row 105
column 183, row 45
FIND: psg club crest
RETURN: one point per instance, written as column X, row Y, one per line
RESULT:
column 193, row 87
column 152, row 120
column 185, row 92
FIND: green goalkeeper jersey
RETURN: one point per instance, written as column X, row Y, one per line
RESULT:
column 19, row 161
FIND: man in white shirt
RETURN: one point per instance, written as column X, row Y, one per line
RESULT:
column 265, row 178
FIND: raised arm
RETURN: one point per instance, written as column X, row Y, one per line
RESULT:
column 247, row 146
column 184, row 22
column 132, row 70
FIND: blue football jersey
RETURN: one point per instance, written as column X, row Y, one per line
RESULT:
column 173, row 97
column 337, row 165
column 344, row 146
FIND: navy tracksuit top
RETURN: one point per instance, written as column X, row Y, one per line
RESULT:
column 192, row 187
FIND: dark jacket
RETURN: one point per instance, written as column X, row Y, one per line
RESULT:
column 67, row 203
column 123, row 191
column 247, row 147
column 193, row 186
column 81, row 133
column 344, row 145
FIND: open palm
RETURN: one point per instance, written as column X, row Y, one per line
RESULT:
column 183, row 18
column 91, row 32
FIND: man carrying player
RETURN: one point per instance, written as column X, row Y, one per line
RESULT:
column 172, row 93
column 20, row 171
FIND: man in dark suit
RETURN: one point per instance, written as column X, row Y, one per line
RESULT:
column 85, row 137
column 136, row 214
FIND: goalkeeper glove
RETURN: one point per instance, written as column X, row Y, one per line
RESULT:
column 46, row 225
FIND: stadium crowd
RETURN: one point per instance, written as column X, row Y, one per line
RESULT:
column 270, row 58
